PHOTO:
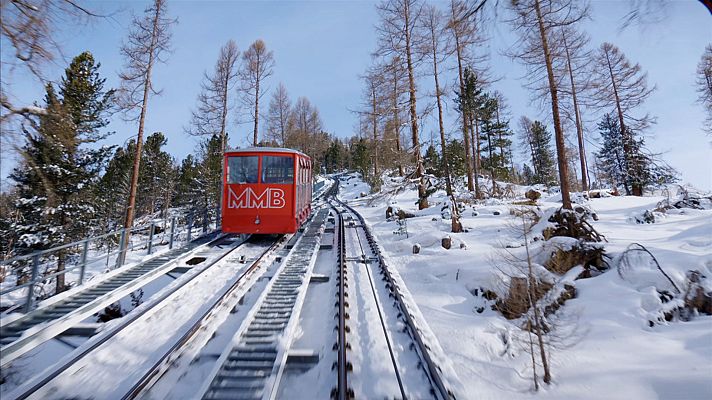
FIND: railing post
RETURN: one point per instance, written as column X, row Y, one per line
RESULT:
column 190, row 226
column 129, row 241
column 31, row 288
column 173, row 229
column 122, row 249
column 85, row 250
column 150, row 237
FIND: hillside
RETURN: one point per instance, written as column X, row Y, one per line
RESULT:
column 612, row 340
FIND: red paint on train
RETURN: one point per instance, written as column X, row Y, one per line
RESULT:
column 265, row 190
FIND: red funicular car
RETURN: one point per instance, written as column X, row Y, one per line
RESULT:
column 265, row 190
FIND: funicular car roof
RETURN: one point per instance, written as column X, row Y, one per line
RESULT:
column 264, row 150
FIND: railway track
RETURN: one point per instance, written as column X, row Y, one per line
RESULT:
column 383, row 342
column 379, row 355
column 52, row 379
column 252, row 365
column 20, row 335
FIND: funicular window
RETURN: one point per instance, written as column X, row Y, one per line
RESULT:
column 277, row 169
column 242, row 169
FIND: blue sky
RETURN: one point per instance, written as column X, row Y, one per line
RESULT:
column 321, row 48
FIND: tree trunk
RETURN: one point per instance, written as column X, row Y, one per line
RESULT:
column 465, row 113
column 396, row 120
column 531, row 352
column 476, row 154
column 502, row 160
column 441, row 127
column 281, row 127
column 455, row 224
column 130, row 209
column 422, row 195
column 531, row 293
column 491, row 159
column 257, row 111
column 223, row 145
column 579, row 125
column 533, row 154
column 631, row 166
column 560, row 149
column 374, row 121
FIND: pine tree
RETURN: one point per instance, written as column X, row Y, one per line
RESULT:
column 335, row 157
column 360, row 156
column 612, row 158
column 615, row 157
column 432, row 162
column 456, row 157
column 527, row 175
column 544, row 165
column 155, row 179
column 113, row 188
column 186, row 182
column 621, row 86
column 10, row 215
column 56, row 179
column 495, row 135
column 83, row 96
column 209, row 174
column 468, row 101
column 503, row 141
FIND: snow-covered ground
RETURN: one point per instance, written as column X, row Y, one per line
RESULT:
column 610, row 350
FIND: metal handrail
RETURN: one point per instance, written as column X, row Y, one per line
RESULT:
column 68, row 245
column 84, row 262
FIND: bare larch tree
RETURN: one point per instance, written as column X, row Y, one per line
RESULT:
column 211, row 116
column 396, row 32
column 304, row 125
column 432, row 24
column 536, row 21
column 704, row 86
column 278, row 115
column 28, row 32
column 577, row 59
column 621, row 86
column 372, row 115
column 257, row 64
column 527, row 139
column 394, row 72
column 146, row 45
column 461, row 29
column 212, row 113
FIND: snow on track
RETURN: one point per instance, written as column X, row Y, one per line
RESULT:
column 110, row 370
column 374, row 317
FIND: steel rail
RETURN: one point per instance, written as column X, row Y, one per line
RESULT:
column 252, row 364
column 380, row 312
column 432, row 370
column 147, row 378
column 57, row 369
column 342, row 389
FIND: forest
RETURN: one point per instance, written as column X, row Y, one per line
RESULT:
column 68, row 185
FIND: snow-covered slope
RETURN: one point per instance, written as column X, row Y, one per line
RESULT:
column 609, row 350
